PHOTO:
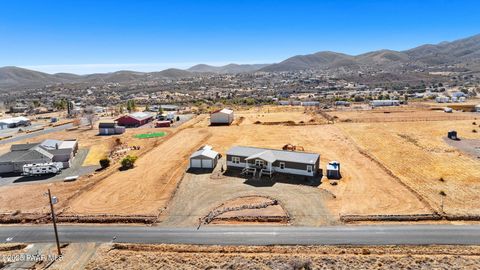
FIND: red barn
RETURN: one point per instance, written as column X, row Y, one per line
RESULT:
column 134, row 119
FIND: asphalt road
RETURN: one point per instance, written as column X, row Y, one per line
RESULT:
column 334, row 235
column 35, row 134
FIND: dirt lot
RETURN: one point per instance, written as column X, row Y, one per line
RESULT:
column 198, row 194
column 145, row 189
column 399, row 114
column 271, row 115
column 284, row 257
column 417, row 153
column 251, row 209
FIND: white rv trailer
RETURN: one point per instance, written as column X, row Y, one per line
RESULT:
column 42, row 168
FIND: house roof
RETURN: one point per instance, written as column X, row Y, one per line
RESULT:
column 22, row 146
column 281, row 155
column 51, row 144
column 106, row 125
column 14, row 120
column 205, row 153
column 138, row 116
column 226, row 111
column 68, row 144
column 34, row 151
column 266, row 155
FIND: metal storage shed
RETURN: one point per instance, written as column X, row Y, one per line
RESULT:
column 221, row 117
column 205, row 158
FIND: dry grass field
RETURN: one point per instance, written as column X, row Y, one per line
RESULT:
column 399, row 114
column 417, row 153
column 124, row 256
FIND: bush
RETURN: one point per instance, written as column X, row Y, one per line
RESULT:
column 442, row 193
column 104, row 162
column 128, row 162
column 474, row 130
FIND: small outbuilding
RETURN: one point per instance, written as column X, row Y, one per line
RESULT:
column 477, row 108
column 162, row 124
column 333, row 170
column 204, row 158
column 110, row 128
column 452, row 135
column 221, row 117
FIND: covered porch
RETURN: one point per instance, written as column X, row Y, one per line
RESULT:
column 260, row 164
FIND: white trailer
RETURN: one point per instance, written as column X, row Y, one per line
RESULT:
column 42, row 168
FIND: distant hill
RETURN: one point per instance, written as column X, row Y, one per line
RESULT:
column 462, row 51
column 230, row 68
column 15, row 77
column 466, row 49
column 172, row 73
column 310, row 61
column 11, row 76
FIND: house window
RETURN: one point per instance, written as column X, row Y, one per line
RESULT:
column 282, row 165
column 236, row 160
column 309, row 168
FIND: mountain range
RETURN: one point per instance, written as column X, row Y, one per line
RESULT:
column 463, row 51
column 445, row 53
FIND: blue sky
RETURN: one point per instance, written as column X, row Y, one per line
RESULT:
column 102, row 36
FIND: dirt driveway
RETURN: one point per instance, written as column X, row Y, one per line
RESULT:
column 198, row 194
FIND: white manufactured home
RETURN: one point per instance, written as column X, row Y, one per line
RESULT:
column 269, row 161
column 378, row 103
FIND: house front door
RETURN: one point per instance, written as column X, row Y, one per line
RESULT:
column 260, row 163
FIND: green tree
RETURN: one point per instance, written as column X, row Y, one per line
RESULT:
column 60, row 104
column 104, row 162
column 128, row 162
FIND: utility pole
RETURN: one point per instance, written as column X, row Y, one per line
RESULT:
column 54, row 219
column 442, row 203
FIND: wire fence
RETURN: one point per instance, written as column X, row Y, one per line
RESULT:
column 406, row 119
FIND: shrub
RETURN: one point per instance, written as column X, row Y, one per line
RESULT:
column 474, row 130
column 128, row 162
column 104, row 162
column 442, row 193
